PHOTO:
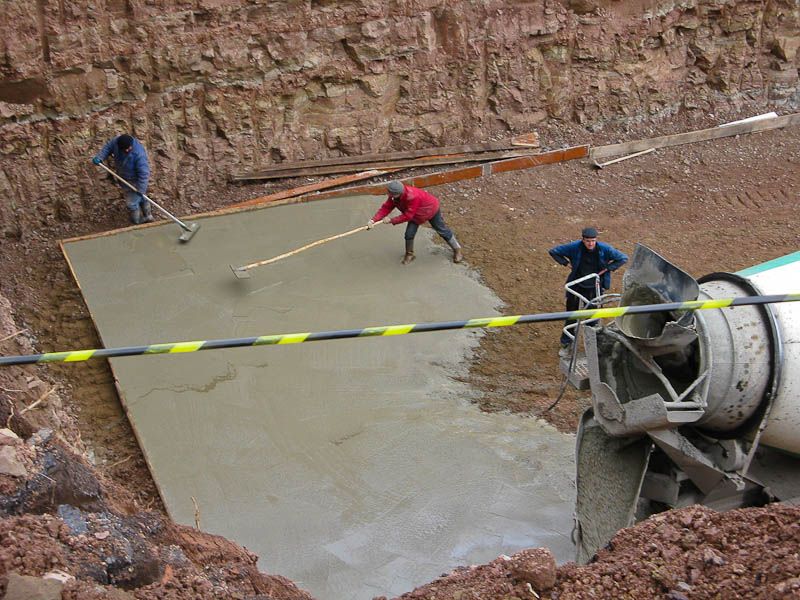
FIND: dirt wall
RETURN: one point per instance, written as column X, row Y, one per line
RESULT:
column 212, row 86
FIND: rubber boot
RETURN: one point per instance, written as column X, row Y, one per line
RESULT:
column 458, row 256
column 409, row 256
column 147, row 212
column 136, row 216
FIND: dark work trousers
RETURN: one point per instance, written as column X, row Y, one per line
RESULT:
column 573, row 303
column 437, row 222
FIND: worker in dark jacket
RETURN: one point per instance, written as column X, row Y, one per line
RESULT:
column 587, row 256
column 130, row 163
column 416, row 207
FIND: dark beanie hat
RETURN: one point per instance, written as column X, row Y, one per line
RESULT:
column 589, row 232
column 124, row 141
column 395, row 188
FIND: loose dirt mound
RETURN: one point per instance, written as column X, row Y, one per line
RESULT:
column 690, row 553
column 145, row 555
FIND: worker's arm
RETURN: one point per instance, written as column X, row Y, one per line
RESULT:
column 105, row 152
column 384, row 210
column 616, row 259
column 561, row 254
column 411, row 209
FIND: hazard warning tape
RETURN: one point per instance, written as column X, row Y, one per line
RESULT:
column 390, row 330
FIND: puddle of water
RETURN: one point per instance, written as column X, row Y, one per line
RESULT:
column 357, row 467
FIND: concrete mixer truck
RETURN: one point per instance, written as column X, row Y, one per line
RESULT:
column 688, row 408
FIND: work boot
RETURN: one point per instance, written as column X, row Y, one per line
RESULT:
column 136, row 216
column 147, row 213
column 458, row 256
column 409, row 255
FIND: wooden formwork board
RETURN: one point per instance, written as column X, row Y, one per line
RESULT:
column 701, row 135
column 315, row 187
column 491, row 168
column 373, row 158
column 427, row 161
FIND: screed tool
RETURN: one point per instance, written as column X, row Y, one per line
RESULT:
column 188, row 230
column 243, row 272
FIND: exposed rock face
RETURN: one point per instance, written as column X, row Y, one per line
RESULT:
column 214, row 85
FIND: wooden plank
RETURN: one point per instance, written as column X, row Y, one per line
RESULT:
column 314, row 187
column 407, row 164
column 452, row 175
column 420, row 181
column 530, row 140
column 701, row 135
column 545, row 158
column 370, row 158
column 91, row 236
column 120, row 391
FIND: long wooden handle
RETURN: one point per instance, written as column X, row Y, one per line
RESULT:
column 183, row 225
column 274, row 259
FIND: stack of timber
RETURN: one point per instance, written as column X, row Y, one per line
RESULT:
column 488, row 151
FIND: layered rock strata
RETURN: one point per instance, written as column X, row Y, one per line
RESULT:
column 213, row 86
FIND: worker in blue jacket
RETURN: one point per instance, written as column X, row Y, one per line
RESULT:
column 584, row 257
column 130, row 163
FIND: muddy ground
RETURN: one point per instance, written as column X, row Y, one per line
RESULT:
column 714, row 206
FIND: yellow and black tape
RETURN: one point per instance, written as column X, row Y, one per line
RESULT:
column 392, row 330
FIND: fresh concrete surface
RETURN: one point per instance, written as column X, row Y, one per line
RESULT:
column 355, row 467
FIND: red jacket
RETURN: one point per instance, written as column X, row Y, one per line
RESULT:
column 416, row 205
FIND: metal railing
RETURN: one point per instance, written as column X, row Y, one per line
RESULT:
column 598, row 301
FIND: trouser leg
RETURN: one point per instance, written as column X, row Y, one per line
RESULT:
column 411, row 230
column 132, row 201
column 438, row 224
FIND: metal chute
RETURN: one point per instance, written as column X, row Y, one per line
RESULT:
column 688, row 408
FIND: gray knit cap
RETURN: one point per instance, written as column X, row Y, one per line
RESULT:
column 395, row 188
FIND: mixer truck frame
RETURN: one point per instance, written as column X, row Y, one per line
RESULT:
column 689, row 408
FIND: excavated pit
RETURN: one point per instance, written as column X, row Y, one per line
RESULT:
column 216, row 87
column 355, row 467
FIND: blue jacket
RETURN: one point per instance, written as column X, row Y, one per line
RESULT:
column 133, row 167
column 570, row 253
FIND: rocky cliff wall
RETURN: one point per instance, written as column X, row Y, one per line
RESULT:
column 213, row 86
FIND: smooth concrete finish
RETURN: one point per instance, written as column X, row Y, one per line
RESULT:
column 354, row 467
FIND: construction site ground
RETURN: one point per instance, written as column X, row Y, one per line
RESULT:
column 714, row 206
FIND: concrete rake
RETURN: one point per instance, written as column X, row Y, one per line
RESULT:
column 243, row 272
column 188, row 230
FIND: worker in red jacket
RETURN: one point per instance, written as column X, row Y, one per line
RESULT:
column 416, row 206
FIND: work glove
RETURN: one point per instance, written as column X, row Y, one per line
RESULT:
column 370, row 224
column 386, row 220
column 96, row 160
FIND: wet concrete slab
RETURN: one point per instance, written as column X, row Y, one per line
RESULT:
column 355, row 467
